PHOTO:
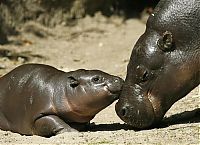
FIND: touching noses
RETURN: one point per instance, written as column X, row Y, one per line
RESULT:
column 124, row 111
column 116, row 85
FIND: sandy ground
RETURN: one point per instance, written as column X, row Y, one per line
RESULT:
column 106, row 44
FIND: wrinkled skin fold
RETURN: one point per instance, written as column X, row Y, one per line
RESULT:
column 164, row 65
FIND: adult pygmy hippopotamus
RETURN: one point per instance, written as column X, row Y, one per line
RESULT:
column 39, row 99
column 164, row 64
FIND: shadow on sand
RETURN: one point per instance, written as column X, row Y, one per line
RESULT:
column 180, row 118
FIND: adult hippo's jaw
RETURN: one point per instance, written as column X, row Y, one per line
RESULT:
column 164, row 65
column 138, row 106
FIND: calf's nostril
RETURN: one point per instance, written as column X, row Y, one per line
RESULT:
column 116, row 80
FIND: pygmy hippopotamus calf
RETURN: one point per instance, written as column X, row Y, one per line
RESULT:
column 39, row 99
column 164, row 64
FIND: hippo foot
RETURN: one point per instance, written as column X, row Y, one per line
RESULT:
column 66, row 130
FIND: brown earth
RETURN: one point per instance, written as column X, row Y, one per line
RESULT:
column 97, row 43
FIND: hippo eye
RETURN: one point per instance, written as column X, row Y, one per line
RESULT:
column 142, row 73
column 97, row 79
column 145, row 76
column 73, row 82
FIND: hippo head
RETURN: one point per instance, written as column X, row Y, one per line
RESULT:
column 90, row 92
column 164, row 66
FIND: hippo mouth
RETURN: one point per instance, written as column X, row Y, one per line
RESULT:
column 114, row 93
column 140, row 112
column 156, row 105
column 153, row 113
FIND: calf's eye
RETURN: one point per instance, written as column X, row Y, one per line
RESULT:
column 97, row 79
column 142, row 73
column 145, row 76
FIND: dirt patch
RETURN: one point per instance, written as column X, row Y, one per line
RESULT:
column 106, row 44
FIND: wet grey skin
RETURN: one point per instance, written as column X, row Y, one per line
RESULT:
column 164, row 65
column 42, row 100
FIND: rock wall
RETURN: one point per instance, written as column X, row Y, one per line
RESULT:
column 14, row 13
column 3, row 36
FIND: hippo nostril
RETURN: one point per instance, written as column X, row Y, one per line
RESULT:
column 124, row 111
column 119, row 80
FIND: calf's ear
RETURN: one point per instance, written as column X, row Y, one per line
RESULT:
column 73, row 82
column 166, row 42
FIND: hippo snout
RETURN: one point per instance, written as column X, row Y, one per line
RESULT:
column 135, row 116
column 115, row 85
column 124, row 111
column 135, row 108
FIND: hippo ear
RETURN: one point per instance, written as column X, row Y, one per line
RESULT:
column 166, row 42
column 73, row 82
